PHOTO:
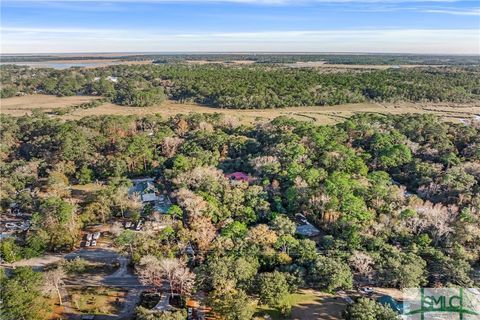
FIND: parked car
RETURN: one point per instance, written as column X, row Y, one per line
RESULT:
column 128, row 225
column 96, row 235
column 89, row 236
column 366, row 290
column 139, row 225
column 13, row 225
column 94, row 243
column 87, row 243
column 10, row 225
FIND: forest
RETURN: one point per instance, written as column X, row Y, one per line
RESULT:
column 396, row 198
column 367, row 59
column 246, row 87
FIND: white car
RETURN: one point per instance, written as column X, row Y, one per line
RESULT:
column 13, row 225
column 89, row 236
column 94, row 243
column 139, row 225
column 366, row 290
column 87, row 243
column 96, row 235
column 128, row 225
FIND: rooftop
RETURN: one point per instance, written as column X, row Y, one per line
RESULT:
column 239, row 176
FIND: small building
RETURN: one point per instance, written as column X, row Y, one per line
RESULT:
column 149, row 197
column 162, row 204
column 112, row 79
column 189, row 250
column 146, row 190
column 305, row 228
column 239, row 176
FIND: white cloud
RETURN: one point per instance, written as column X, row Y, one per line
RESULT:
column 49, row 40
column 471, row 12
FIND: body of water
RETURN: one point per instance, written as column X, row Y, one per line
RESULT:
column 62, row 65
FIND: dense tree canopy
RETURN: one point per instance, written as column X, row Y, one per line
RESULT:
column 255, row 87
column 396, row 200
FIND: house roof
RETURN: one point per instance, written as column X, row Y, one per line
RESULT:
column 307, row 230
column 142, row 187
column 239, row 176
column 147, row 197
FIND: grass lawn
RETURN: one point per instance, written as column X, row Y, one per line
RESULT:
column 308, row 305
column 95, row 300
column 294, row 299
column 84, row 192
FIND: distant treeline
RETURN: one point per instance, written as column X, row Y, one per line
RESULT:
column 367, row 59
column 246, row 87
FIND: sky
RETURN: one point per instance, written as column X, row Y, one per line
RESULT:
column 380, row 26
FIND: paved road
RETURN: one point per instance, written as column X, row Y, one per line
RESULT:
column 97, row 255
column 121, row 278
column 37, row 263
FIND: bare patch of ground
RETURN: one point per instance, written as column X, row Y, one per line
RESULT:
column 397, row 294
column 97, row 300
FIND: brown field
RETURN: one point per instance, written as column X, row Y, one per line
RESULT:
column 235, row 62
column 18, row 106
column 325, row 65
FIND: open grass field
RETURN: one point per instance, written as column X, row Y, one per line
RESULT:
column 308, row 304
column 18, row 106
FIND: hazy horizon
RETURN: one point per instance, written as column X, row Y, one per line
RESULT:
column 118, row 53
column 224, row 26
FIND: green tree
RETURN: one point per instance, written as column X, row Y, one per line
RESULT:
column 402, row 270
column 84, row 175
column 273, row 288
column 142, row 313
column 330, row 274
column 283, row 225
column 175, row 211
column 235, row 230
column 367, row 309
column 232, row 305
column 57, row 222
column 21, row 296
column 10, row 251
